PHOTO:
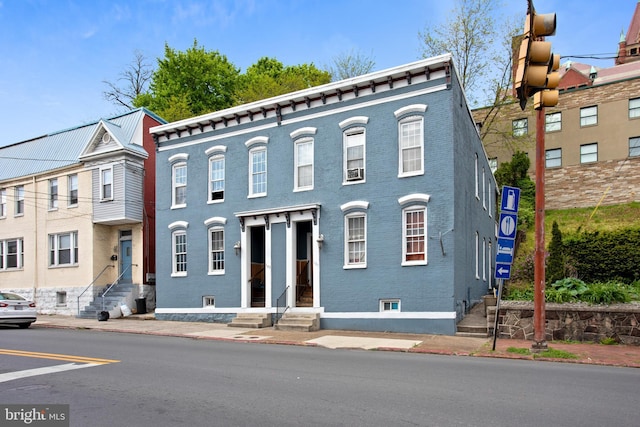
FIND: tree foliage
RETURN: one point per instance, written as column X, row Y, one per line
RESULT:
column 269, row 77
column 603, row 256
column 514, row 174
column 201, row 81
column 556, row 261
column 350, row 64
column 131, row 83
column 468, row 34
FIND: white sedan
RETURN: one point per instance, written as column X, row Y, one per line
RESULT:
column 16, row 310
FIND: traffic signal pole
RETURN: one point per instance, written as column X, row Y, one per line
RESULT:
column 537, row 76
column 539, row 318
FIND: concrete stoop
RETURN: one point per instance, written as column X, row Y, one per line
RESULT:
column 301, row 322
column 476, row 324
column 251, row 321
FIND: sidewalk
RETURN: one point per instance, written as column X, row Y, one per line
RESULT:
column 596, row 354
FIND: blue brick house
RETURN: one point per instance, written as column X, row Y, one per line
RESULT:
column 369, row 201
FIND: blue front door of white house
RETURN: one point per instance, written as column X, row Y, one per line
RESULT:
column 125, row 260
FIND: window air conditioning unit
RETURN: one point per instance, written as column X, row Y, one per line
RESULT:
column 355, row 174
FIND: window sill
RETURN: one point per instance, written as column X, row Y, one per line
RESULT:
column 410, row 174
column 354, row 266
column 178, row 274
column 302, row 189
column 255, row 196
column 216, row 273
column 215, row 202
column 354, row 182
column 178, row 206
column 63, row 266
column 413, row 263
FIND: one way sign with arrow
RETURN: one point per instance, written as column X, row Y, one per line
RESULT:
column 503, row 271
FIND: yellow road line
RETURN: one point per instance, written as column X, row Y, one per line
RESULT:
column 54, row 356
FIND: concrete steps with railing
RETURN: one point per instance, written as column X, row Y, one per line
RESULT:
column 117, row 295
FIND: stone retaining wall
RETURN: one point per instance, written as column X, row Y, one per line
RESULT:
column 572, row 322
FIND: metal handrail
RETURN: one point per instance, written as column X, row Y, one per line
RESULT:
column 91, row 284
column 115, row 283
column 281, row 301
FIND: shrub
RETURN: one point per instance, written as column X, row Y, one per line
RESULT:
column 606, row 293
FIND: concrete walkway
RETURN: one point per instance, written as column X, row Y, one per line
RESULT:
column 598, row 354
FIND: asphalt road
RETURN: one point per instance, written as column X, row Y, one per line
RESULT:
column 166, row 381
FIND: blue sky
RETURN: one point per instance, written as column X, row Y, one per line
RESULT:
column 55, row 54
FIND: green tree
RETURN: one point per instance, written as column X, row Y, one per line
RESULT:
column 200, row 81
column 268, row 77
column 556, row 260
column 514, row 174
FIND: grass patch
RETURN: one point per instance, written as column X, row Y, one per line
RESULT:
column 552, row 353
column 518, row 350
column 609, row 341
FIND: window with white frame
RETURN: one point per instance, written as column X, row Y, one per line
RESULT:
column 484, row 189
column 19, row 200
column 634, row 146
column 208, row 301
column 589, row 153
column 589, row 116
column 216, row 178
column 477, row 248
column 493, row 164
column 553, row 158
column 475, row 170
column 3, row 202
column 520, row 127
column 179, row 248
column 258, row 172
column 106, row 184
column 11, row 254
column 61, row 299
column 179, row 184
column 634, row 108
column 72, row 189
column 414, row 235
column 353, row 154
column 53, row 193
column 389, row 305
column 553, row 122
column 484, row 258
column 356, row 240
column 63, row 249
column 411, row 143
column 216, row 250
column 303, row 160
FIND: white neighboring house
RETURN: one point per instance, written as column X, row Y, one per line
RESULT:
column 77, row 214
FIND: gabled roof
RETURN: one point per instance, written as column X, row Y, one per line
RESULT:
column 574, row 74
column 64, row 148
column 633, row 34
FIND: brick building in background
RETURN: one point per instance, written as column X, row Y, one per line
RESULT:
column 592, row 137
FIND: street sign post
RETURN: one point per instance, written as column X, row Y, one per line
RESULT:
column 507, row 230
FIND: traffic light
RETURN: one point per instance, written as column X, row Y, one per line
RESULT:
column 537, row 67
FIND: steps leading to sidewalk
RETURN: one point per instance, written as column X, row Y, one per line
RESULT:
column 251, row 321
column 475, row 324
column 302, row 322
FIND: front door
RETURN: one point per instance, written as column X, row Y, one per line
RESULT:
column 125, row 260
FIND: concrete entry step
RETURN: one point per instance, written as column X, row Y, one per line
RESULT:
column 251, row 321
column 302, row 322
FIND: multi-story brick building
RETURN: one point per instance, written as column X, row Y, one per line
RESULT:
column 367, row 202
column 592, row 137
